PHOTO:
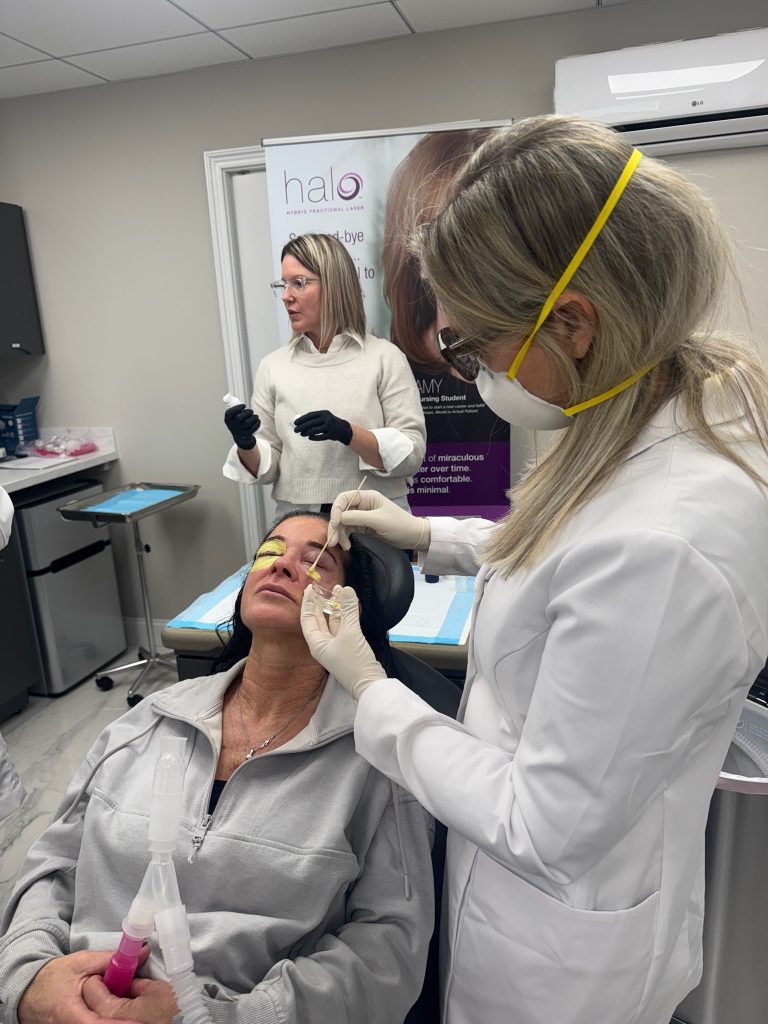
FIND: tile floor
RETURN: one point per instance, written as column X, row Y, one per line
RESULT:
column 47, row 742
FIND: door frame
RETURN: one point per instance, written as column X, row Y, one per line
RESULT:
column 221, row 166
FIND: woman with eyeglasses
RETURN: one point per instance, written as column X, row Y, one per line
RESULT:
column 332, row 383
column 621, row 608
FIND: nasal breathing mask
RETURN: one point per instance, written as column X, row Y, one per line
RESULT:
column 504, row 394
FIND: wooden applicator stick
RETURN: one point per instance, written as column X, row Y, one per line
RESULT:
column 311, row 571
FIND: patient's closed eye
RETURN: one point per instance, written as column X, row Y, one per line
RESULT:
column 325, row 561
column 268, row 553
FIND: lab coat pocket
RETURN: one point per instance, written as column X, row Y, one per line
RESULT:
column 524, row 949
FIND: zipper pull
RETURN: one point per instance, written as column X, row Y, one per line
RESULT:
column 199, row 836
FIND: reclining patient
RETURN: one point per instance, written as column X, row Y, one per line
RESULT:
column 305, row 873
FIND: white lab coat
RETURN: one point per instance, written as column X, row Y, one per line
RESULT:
column 12, row 792
column 602, row 691
column 6, row 517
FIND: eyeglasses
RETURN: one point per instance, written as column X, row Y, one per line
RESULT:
column 297, row 285
column 466, row 364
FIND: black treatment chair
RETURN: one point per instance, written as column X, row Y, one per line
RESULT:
column 393, row 579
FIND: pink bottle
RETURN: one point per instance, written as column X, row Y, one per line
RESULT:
column 122, row 967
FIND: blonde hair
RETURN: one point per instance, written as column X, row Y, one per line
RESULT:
column 341, row 299
column 420, row 187
column 520, row 209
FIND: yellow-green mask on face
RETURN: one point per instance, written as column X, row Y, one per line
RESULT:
column 272, row 549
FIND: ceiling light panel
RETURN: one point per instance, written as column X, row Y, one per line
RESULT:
column 163, row 57
column 319, row 31
column 230, row 13
column 61, row 29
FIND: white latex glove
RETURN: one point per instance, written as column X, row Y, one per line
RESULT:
column 339, row 646
column 371, row 512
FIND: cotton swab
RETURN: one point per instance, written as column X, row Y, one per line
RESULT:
column 312, row 571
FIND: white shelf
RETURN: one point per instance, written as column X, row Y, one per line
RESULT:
column 18, row 478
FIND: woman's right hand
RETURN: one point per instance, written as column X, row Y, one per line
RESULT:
column 242, row 423
column 55, row 995
column 371, row 512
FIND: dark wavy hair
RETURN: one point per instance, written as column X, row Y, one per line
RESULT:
column 358, row 574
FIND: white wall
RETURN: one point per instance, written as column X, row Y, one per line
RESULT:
column 736, row 181
column 111, row 178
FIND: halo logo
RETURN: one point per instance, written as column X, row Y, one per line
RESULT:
column 349, row 185
column 321, row 188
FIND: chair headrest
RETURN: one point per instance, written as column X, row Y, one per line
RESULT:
column 392, row 575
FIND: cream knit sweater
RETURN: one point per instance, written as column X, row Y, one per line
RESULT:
column 366, row 381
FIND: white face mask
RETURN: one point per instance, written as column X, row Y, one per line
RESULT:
column 511, row 402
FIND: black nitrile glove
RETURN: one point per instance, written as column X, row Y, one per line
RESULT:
column 323, row 426
column 242, row 424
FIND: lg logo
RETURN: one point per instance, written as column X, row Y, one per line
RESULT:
column 697, row 103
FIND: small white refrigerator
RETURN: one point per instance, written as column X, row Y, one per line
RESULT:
column 72, row 583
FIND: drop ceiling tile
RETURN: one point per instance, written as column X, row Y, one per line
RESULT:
column 12, row 52
column 163, row 57
column 229, row 13
column 433, row 15
column 319, row 31
column 45, row 76
column 75, row 26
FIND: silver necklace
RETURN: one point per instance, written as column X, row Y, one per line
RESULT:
column 255, row 748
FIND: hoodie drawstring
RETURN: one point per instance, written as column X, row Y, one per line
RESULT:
column 403, row 859
column 100, row 762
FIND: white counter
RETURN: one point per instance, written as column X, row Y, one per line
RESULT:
column 17, row 478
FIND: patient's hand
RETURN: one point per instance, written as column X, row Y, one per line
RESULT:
column 148, row 1001
column 56, row 994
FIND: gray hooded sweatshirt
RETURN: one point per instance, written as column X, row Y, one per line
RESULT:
column 308, row 890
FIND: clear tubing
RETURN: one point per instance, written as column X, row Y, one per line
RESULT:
column 173, row 934
column 752, row 750
column 165, row 888
column 159, row 888
column 186, row 988
column 167, row 789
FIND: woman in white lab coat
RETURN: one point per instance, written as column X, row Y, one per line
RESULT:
column 621, row 607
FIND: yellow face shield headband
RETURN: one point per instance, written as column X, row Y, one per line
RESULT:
column 562, row 284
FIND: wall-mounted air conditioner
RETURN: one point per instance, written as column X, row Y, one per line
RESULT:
column 678, row 97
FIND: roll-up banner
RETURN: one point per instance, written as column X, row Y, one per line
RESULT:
column 340, row 185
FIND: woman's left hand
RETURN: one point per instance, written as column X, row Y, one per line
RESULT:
column 345, row 653
column 322, row 425
column 149, row 1001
